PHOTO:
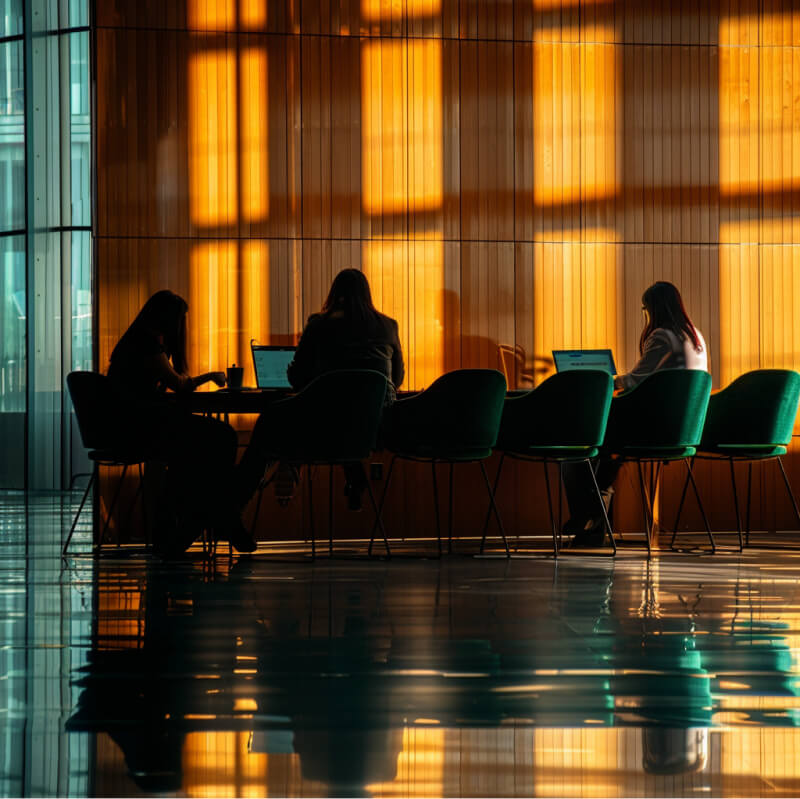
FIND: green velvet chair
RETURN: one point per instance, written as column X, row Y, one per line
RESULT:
column 750, row 421
column 455, row 420
column 333, row 421
column 659, row 421
column 562, row 421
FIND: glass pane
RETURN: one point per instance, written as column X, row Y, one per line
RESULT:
column 11, row 18
column 12, row 361
column 12, row 137
column 78, row 13
column 81, row 158
column 81, row 300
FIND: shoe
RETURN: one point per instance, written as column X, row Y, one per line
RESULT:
column 589, row 538
column 231, row 529
column 240, row 538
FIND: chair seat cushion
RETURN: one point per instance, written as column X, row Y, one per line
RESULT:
column 656, row 453
column 443, row 454
column 565, row 453
column 753, row 451
column 108, row 456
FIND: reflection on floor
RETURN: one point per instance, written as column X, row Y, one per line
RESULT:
column 459, row 677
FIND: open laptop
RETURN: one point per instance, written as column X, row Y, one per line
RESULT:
column 270, row 365
column 602, row 360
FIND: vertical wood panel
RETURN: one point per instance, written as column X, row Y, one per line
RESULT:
column 505, row 172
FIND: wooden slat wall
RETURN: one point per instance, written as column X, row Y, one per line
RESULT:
column 507, row 172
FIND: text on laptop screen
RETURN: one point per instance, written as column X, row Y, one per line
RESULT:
column 602, row 360
column 270, row 365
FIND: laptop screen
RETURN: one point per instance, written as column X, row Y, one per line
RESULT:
column 270, row 365
column 602, row 360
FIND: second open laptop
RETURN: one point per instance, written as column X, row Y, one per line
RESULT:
column 602, row 360
column 270, row 364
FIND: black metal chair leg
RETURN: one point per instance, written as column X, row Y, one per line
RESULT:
column 489, row 508
column 330, row 510
column 678, row 515
column 436, row 507
column 494, row 508
column 645, row 510
column 111, row 508
column 602, row 507
column 380, row 505
column 80, row 509
column 311, row 511
column 736, row 505
column 147, row 537
column 550, row 508
column 450, row 512
column 789, row 490
column 700, row 505
column 379, row 521
column 749, row 497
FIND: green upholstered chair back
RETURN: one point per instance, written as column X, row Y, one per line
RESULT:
column 665, row 411
column 456, row 418
column 569, row 409
column 335, row 418
column 758, row 408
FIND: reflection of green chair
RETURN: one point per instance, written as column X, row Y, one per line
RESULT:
column 332, row 421
column 658, row 421
column 561, row 421
column 749, row 421
column 455, row 420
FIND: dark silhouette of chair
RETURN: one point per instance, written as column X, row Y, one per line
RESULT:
column 658, row 421
column 750, row 421
column 96, row 406
column 455, row 420
column 333, row 421
column 562, row 421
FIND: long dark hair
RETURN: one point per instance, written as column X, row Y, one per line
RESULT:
column 351, row 296
column 664, row 307
column 165, row 315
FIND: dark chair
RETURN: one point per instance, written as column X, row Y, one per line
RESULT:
column 562, row 421
column 455, row 420
column 750, row 421
column 95, row 403
column 658, row 421
column 333, row 421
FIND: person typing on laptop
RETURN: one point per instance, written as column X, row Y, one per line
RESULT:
column 669, row 340
column 348, row 333
column 148, row 360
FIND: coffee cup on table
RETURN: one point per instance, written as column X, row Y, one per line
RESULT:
column 235, row 376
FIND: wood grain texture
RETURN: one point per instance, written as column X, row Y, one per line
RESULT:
column 512, row 172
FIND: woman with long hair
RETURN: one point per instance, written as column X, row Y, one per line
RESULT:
column 347, row 333
column 200, row 453
column 669, row 340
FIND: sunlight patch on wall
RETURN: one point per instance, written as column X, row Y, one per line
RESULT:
column 213, row 156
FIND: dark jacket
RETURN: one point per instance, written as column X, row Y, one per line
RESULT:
column 332, row 341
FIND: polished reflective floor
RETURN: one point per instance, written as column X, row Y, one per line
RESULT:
column 411, row 677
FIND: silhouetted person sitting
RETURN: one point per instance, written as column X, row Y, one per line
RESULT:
column 669, row 340
column 348, row 333
column 150, row 359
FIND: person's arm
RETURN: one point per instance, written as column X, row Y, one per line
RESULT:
column 301, row 369
column 398, row 366
column 657, row 351
column 179, row 383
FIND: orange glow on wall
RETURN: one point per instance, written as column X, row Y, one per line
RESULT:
column 213, row 146
column 254, row 146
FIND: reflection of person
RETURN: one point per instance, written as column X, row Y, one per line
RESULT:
column 348, row 333
column 669, row 340
column 149, row 359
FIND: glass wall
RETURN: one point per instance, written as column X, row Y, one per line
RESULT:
column 45, row 236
